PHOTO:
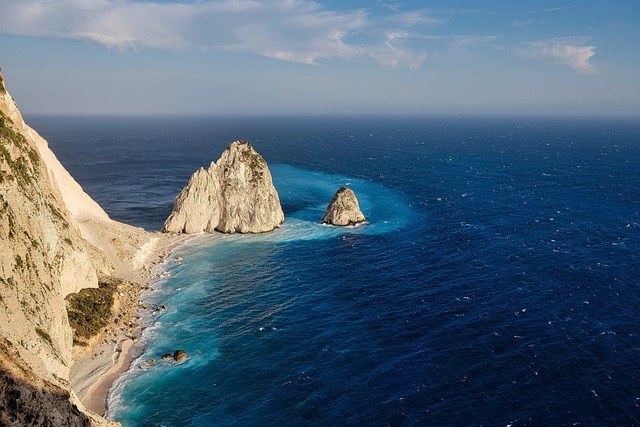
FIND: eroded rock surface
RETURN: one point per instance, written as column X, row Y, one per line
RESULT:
column 343, row 209
column 235, row 195
column 197, row 206
column 54, row 240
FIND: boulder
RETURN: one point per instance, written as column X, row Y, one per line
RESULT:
column 343, row 209
column 179, row 356
column 234, row 195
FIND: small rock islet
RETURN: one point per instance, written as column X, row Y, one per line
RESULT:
column 344, row 209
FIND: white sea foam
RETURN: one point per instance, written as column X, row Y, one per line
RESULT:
column 386, row 210
column 307, row 194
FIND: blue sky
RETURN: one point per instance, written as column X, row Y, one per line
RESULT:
column 322, row 57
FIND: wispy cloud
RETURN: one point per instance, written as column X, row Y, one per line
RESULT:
column 572, row 51
column 521, row 24
column 394, row 6
column 547, row 10
column 473, row 41
column 416, row 17
column 300, row 31
column 290, row 30
column 394, row 53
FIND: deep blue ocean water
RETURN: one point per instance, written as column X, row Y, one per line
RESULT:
column 496, row 283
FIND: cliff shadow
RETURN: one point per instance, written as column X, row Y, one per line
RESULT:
column 25, row 401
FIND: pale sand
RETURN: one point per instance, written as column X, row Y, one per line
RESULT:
column 96, row 397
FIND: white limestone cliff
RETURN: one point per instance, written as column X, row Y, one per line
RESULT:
column 54, row 240
column 343, row 209
column 235, row 195
column 41, row 246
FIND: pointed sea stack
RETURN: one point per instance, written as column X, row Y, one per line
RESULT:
column 343, row 209
column 197, row 207
column 235, row 195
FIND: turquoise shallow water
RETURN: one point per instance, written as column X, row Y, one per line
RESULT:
column 250, row 276
column 496, row 282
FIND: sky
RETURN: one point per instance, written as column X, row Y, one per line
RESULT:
column 265, row 57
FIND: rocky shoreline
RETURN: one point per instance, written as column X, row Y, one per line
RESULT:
column 110, row 353
column 72, row 277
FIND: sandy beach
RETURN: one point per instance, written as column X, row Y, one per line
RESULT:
column 95, row 398
column 109, row 354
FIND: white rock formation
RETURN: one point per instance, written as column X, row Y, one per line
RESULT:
column 54, row 240
column 197, row 206
column 343, row 209
column 40, row 247
column 235, row 195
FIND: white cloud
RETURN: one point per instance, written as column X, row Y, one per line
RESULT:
column 571, row 51
column 521, row 24
column 415, row 17
column 394, row 55
column 290, row 30
column 548, row 10
column 391, row 6
column 112, row 23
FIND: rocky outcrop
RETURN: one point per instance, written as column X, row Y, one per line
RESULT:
column 26, row 400
column 42, row 255
column 197, row 206
column 234, row 195
column 54, row 240
column 343, row 209
column 179, row 356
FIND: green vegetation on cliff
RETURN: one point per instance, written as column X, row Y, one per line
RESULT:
column 24, row 168
column 90, row 310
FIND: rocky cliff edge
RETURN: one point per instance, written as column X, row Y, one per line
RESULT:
column 54, row 240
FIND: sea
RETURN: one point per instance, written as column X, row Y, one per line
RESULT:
column 496, row 281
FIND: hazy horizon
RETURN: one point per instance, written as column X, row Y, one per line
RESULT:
column 283, row 57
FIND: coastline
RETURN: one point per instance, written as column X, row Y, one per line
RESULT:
column 95, row 398
column 110, row 354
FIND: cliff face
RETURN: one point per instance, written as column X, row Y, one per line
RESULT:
column 28, row 400
column 250, row 202
column 43, row 257
column 235, row 195
column 54, row 239
column 197, row 206
column 343, row 209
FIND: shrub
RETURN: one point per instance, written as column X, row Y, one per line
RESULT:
column 90, row 309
